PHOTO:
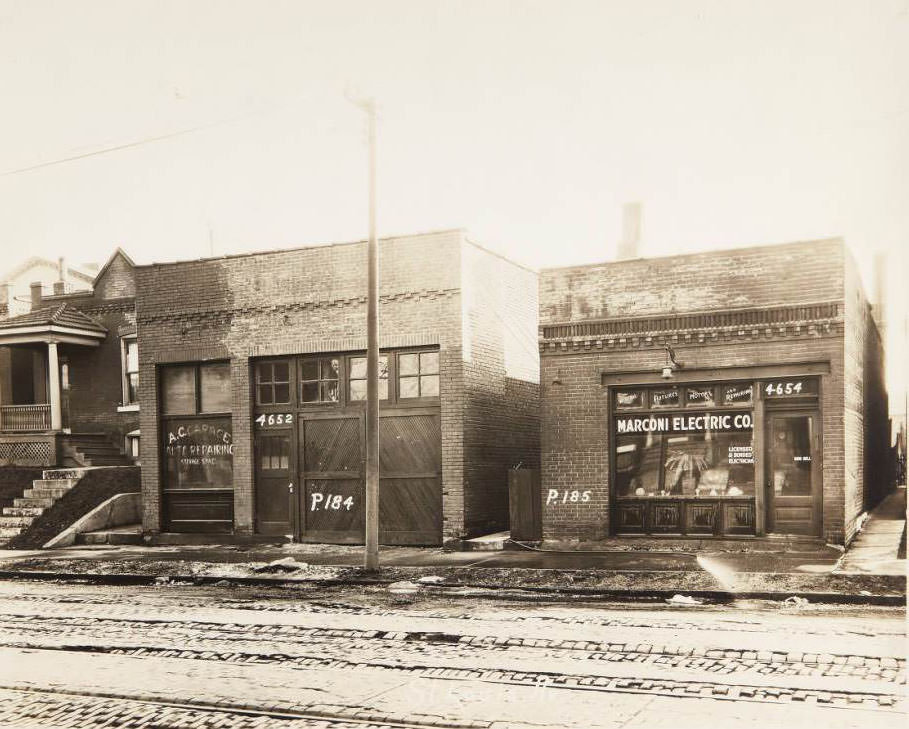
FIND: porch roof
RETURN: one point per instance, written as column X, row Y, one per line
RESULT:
column 59, row 323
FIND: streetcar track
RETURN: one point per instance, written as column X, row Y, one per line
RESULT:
column 65, row 709
column 723, row 660
column 681, row 688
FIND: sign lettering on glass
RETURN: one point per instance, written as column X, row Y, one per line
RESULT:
column 629, row 399
column 665, row 398
column 737, row 394
column 695, row 423
column 742, row 453
column 199, row 453
column 700, row 395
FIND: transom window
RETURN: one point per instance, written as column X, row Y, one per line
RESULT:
column 319, row 381
column 273, row 383
column 196, row 388
column 418, row 375
column 357, row 378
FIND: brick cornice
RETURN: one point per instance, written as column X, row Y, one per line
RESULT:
column 704, row 328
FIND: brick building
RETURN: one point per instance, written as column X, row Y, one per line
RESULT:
column 68, row 373
column 252, row 372
column 719, row 394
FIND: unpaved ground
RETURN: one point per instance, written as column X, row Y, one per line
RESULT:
column 306, row 656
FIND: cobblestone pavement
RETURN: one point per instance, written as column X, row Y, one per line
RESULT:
column 91, row 656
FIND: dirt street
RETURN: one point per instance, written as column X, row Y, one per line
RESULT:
column 183, row 656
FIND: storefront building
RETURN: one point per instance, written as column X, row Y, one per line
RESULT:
column 729, row 394
column 253, row 378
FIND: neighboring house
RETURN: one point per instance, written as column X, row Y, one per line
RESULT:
column 69, row 374
column 252, row 387
column 54, row 277
column 734, row 393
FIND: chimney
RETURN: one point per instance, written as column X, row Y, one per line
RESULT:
column 631, row 232
column 59, row 287
column 36, row 294
column 879, row 294
column 61, row 269
column 4, row 294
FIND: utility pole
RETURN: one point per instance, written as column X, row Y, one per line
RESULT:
column 371, row 559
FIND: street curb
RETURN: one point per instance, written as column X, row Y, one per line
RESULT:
column 621, row 595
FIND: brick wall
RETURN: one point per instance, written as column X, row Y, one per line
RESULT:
column 311, row 300
column 501, row 383
column 575, row 430
column 866, row 425
column 764, row 276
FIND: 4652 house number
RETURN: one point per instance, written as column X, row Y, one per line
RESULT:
column 330, row 502
column 275, row 419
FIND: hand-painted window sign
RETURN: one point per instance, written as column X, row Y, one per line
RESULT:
column 789, row 388
column 737, row 394
column 629, row 398
column 665, row 398
column 699, row 396
column 263, row 421
column 695, row 423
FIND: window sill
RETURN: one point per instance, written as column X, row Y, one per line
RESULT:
column 128, row 408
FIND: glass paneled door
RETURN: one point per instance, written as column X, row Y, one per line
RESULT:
column 793, row 473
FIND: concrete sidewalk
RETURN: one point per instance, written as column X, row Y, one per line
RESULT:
column 875, row 550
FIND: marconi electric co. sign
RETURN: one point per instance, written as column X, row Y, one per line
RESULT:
column 685, row 423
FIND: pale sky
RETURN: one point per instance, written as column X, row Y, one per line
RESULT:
column 529, row 123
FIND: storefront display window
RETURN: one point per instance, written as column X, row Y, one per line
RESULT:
column 199, row 453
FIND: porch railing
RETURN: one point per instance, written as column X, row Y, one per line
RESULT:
column 24, row 418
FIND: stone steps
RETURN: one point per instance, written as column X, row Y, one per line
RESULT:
column 35, row 501
column 23, row 510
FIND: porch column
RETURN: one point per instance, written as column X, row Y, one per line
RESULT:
column 53, row 367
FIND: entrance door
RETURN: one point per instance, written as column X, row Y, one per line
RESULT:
column 793, row 477
column 274, row 482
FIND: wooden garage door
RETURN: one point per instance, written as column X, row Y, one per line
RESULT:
column 332, row 453
column 331, row 463
column 410, row 458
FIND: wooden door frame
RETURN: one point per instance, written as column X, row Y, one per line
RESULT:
column 789, row 409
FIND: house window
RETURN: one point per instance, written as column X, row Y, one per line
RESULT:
column 357, row 378
column 319, row 381
column 132, row 445
column 273, row 383
column 130, row 359
column 418, row 375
